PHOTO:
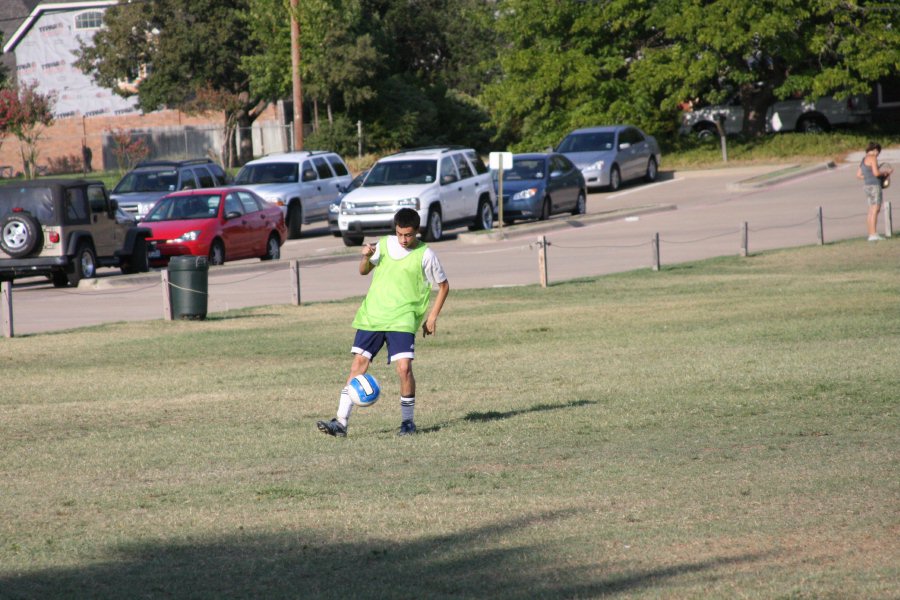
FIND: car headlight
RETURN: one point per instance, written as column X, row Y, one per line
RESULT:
column 408, row 203
column 334, row 208
column 525, row 194
column 188, row 236
column 597, row 166
column 274, row 199
column 346, row 207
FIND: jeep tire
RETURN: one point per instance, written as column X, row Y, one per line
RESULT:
column 84, row 264
column 20, row 234
column 137, row 262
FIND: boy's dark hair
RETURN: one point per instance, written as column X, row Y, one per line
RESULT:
column 873, row 146
column 407, row 217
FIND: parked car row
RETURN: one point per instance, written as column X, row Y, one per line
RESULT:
column 785, row 115
column 162, row 209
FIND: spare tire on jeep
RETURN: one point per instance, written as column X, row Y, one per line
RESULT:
column 20, row 234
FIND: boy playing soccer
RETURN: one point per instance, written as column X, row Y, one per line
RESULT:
column 392, row 312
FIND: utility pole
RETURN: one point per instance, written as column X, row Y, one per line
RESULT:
column 295, row 77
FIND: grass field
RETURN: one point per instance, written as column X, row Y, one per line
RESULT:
column 722, row 429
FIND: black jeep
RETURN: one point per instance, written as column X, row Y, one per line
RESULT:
column 65, row 229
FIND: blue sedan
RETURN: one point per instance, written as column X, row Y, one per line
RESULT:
column 608, row 156
column 540, row 185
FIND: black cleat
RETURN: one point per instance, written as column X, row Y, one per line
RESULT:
column 334, row 428
column 407, row 428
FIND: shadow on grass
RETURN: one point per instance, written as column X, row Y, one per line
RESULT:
column 485, row 562
column 493, row 415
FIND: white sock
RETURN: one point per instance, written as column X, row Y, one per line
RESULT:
column 407, row 407
column 344, row 408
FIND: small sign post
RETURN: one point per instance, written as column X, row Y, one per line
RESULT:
column 500, row 161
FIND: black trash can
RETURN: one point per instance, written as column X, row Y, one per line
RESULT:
column 188, row 286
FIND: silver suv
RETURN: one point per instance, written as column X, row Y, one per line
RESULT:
column 785, row 115
column 445, row 185
column 150, row 180
column 302, row 183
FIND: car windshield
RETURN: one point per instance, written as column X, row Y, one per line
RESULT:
column 588, row 142
column 532, row 168
column 147, row 181
column 401, row 172
column 182, row 208
column 37, row 201
column 268, row 173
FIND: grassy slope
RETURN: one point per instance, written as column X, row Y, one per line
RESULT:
column 720, row 429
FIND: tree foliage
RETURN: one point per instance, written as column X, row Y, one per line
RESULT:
column 182, row 54
column 25, row 112
column 765, row 50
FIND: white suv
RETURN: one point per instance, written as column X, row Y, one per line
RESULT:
column 447, row 186
column 303, row 184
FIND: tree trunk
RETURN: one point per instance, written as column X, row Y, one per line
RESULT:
column 755, row 102
column 315, row 115
column 245, row 152
column 330, row 114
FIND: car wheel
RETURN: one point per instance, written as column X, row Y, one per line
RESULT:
column 706, row 132
column 812, row 125
column 485, row 216
column 652, row 170
column 138, row 261
column 84, row 264
column 295, row 220
column 59, row 279
column 615, row 179
column 352, row 240
column 580, row 204
column 434, row 231
column 273, row 249
column 20, row 234
column 217, row 253
column 545, row 209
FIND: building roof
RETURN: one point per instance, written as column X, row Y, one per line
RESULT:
column 40, row 8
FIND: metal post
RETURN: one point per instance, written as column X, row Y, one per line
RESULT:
column 359, row 143
column 654, row 251
column 821, row 232
column 6, row 308
column 295, row 282
column 888, row 221
column 542, row 259
column 167, row 301
column 500, row 193
column 745, row 239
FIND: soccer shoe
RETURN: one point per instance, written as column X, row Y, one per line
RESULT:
column 407, row 428
column 332, row 427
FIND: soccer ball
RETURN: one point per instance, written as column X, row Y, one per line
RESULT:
column 363, row 390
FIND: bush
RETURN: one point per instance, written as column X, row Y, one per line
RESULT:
column 62, row 165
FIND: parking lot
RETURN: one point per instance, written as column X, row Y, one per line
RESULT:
column 697, row 214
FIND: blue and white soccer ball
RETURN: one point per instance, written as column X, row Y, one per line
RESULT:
column 364, row 390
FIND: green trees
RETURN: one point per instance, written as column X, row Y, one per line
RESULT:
column 492, row 73
column 179, row 53
column 764, row 50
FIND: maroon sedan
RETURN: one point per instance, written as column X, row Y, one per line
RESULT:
column 219, row 223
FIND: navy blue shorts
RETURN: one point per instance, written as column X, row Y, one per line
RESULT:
column 399, row 343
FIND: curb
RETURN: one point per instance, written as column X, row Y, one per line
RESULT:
column 779, row 176
column 512, row 231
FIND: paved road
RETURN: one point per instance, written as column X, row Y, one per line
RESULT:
column 697, row 215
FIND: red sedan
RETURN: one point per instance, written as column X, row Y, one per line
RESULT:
column 219, row 223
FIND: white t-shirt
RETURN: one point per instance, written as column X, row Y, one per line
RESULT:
column 431, row 266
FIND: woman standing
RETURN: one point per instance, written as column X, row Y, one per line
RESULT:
column 872, row 176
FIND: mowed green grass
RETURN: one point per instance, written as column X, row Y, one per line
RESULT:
column 722, row 429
